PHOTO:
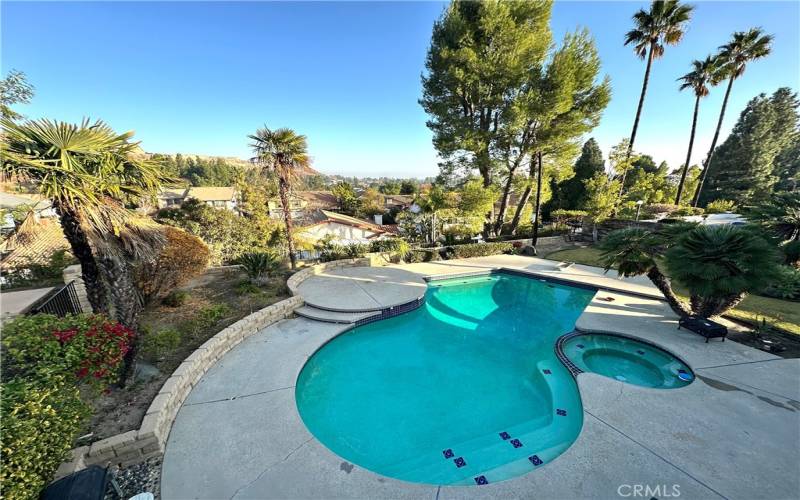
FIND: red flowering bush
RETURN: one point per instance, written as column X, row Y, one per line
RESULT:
column 85, row 347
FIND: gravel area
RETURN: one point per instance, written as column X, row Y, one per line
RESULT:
column 139, row 478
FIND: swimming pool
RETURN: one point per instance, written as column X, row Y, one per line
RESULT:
column 466, row 389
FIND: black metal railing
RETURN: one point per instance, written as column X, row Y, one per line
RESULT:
column 63, row 302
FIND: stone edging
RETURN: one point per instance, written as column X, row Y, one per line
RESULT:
column 150, row 439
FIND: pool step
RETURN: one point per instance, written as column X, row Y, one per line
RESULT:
column 326, row 316
column 497, row 460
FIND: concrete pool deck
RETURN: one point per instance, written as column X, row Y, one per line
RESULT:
column 733, row 433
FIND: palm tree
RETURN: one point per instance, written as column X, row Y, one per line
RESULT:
column 744, row 47
column 720, row 265
column 88, row 172
column 663, row 24
column 633, row 252
column 703, row 74
column 282, row 151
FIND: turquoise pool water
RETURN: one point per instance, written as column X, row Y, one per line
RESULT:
column 463, row 390
column 628, row 360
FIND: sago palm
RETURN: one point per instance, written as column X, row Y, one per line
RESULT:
column 663, row 24
column 283, row 152
column 89, row 172
column 720, row 265
column 704, row 74
column 633, row 252
column 744, row 47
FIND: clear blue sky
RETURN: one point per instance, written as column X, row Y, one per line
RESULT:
column 198, row 77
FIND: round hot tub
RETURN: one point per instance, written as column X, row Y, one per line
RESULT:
column 627, row 360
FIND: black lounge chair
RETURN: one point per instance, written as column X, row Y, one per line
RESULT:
column 704, row 327
column 88, row 484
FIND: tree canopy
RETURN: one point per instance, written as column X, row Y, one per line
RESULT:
column 746, row 166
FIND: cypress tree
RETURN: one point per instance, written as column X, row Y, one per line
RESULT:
column 744, row 167
column 571, row 192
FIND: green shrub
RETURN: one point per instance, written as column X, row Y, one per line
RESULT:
column 176, row 298
column 719, row 207
column 259, row 266
column 389, row 245
column 478, row 250
column 330, row 250
column 34, row 274
column 205, row 318
column 248, row 288
column 791, row 252
column 46, row 358
column 84, row 347
column 786, row 284
column 155, row 345
column 39, row 421
column 686, row 211
column 422, row 255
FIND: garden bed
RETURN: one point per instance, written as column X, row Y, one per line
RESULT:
column 216, row 299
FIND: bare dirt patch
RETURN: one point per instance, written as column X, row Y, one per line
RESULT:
column 218, row 298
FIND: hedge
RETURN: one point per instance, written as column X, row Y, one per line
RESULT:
column 422, row 255
column 39, row 421
column 478, row 250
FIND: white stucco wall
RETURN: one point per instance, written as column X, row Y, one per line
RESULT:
column 339, row 231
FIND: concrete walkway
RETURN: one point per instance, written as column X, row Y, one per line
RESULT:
column 15, row 303
column 733, row 433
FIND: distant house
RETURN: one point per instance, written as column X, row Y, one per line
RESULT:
column 304, row 205
column 34, row 246
column 40, row 207
column 397, row 201
column 342, row 228
column 217, row 197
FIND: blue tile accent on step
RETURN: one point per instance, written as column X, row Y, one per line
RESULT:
column 535, row 460
column 546, row 371
column 504, row 435
column 481, row 480
column 448, row 453
column 460, row 462
column 516, row 443
column 561, row 412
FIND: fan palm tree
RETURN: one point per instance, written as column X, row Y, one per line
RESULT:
column 662, row 25
column 283, row 152
column 703, row 74
column 744, row 47
column 633, row 252
column 720, row 265
column 89, row 172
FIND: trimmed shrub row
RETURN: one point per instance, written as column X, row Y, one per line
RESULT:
column 459, row 251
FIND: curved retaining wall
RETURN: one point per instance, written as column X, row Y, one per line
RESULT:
column 149, row 440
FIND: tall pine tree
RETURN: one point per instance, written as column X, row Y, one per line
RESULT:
column 744, row 167
column 571, row 192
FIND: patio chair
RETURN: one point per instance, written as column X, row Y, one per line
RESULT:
column 705, row 327
column 88, row 484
